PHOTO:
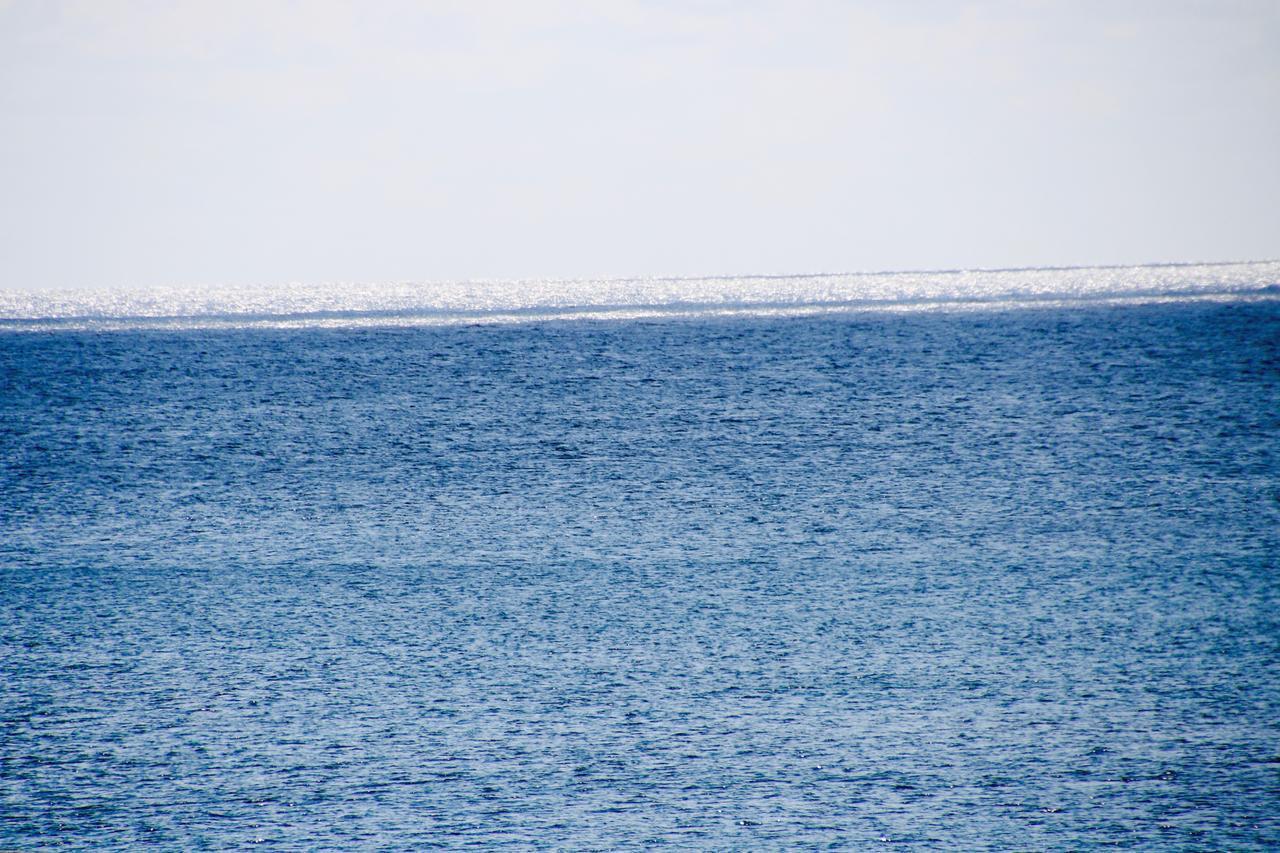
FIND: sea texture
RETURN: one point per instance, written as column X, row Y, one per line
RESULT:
column 717, row 574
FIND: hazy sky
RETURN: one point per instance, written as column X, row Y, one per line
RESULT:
column 212, row 142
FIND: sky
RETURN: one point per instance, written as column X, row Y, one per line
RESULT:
column 250, row 143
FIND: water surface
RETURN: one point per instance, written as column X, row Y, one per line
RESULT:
column 992, row 579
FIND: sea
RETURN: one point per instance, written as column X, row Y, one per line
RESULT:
column 970, row 560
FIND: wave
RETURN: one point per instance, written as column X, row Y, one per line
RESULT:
column 404, row 304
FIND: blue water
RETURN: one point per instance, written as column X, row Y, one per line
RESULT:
column 991, row 579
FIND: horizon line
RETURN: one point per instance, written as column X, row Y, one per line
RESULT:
column 655, row 277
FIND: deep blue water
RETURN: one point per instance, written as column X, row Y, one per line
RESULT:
column 989, row 580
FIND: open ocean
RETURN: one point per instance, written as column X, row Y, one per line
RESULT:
column 971, row 561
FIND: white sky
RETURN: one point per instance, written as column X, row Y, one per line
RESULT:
column 150, row 143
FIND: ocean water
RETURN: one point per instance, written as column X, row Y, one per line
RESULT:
column 973, row 561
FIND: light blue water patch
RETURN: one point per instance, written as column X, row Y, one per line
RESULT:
column 385, row 304
column 988, row 580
